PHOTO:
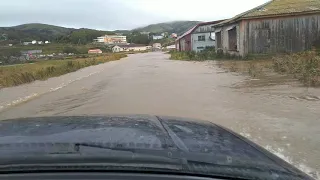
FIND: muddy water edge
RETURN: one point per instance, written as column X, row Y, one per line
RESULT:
column 294, row 106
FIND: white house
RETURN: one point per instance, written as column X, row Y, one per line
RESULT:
column 203, row 36
column 157, row 37
column 198, row 37
column 130, row 47
column 156, row 46
column 27, row 43
column 117, row 49
column 171, row 47
column 34, row 42
column 174, row 35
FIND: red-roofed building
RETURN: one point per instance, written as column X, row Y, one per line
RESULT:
column 190, row 42
column 94, row 51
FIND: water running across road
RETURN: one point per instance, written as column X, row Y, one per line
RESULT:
column 274, row 117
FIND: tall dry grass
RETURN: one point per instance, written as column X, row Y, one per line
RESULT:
column 305, row 66
column 19, row 74
column 254, row 68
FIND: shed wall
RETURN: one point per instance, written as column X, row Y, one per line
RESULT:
column 225, row 38
column 280, row 34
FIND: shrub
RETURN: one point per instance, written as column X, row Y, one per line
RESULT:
column 206, row 54
column 209, row 53
column 305, row 66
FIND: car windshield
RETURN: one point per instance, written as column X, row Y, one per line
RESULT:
column 113, row 78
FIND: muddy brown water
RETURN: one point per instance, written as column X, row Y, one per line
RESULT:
column 285, row 119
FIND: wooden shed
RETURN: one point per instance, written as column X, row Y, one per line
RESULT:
column 275, row 27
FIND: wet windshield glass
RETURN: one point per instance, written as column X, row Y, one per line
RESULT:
column 253, row 67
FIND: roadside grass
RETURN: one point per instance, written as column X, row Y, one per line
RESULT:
column 47, row 48
column 304, row 66
column 42, row 70
column 207, row 54
column 232, row 63
column 254, row 68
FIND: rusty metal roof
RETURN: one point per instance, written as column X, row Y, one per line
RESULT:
column 278, row 8
column 188, row 32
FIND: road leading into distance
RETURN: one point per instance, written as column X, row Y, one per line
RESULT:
column 274, row 117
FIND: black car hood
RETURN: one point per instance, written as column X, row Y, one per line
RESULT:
column 140, row 132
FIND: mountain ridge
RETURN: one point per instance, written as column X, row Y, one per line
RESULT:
column 178, row 27
column 39, row 31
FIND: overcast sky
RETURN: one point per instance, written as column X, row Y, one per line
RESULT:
column 118, row 14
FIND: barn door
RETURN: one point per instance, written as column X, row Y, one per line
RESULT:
column 262, row 41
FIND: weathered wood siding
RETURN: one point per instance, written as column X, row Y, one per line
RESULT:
column 225, row 38
column 281, row 34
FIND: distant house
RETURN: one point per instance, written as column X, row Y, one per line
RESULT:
column 47, row 42
column 156, row 46
column 27, row 43
column 164, row 34
column 198, row 37
column 171, row 47
column 117, row 49
column 174, row 35
column 157, row 37
column 111, row 39
column 94, row 51
column 40, row 42
column 34, row 42
column 136, row 47
column 130, row 47
column 274, row 27
column 99, row 39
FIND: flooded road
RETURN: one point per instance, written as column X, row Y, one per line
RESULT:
column 280, row 118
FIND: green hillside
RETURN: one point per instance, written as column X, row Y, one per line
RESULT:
column 43, row 29
column 178, row 27
column 44, row 32
column 34, row 31
column 28, row 32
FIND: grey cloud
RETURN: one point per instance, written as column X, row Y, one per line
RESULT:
column 99, row 14
column 116, row 14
